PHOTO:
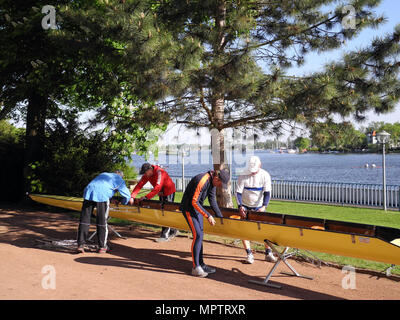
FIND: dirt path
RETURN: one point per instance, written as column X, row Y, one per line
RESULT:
column 140, row 268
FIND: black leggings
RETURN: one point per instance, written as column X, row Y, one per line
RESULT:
column 165, row 231
column 101, row 222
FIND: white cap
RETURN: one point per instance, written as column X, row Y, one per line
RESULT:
column 254, row 164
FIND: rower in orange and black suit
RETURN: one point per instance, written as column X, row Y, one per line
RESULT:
column 199, row 188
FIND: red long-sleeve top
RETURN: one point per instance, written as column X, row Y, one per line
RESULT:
column 160, row 180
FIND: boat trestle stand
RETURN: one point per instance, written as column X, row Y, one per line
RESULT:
column 110, row 229
column 282, row 257
column 388, row 271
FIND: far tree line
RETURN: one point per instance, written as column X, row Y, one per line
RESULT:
column 342, row 136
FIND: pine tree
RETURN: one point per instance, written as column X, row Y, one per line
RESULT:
column 237, row 78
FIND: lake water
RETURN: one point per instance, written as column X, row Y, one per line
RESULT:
column 349, row 168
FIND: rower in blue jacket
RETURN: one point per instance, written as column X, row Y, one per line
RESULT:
column 97, row 194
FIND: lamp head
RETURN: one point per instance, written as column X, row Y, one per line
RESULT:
column 383, row 137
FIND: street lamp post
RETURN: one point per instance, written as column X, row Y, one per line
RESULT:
column 183, row 153
column 183, row 170
column 383, row 138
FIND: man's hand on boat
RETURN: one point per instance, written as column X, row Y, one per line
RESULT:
column 242, row 212
column 135, row 201
column 211, row 220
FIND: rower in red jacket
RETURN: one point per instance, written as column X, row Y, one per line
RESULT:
column 164, row 187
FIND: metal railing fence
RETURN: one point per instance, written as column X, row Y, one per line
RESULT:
column 370, row 195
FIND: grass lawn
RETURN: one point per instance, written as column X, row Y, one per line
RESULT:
column 341, row 213
column 330, row 212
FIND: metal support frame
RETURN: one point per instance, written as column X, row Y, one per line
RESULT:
column 282, row 257
column 313, row 259
column 388, row 271
column 109, row 228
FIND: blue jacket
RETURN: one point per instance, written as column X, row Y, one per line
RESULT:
column 104, row 186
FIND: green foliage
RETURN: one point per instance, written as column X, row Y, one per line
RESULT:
column 337, row 136
column 74, row 157
column 134, row 125
column 11, row 161
column 99, row 52
column 10, row 134
column 96, row 47
column 392, row 128
column 36, row 185
column 302, row 143
column 102, row 55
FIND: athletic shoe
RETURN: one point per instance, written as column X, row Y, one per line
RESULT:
column 80, row 249
column 270, row 257
column 199, row 272
column 173, row 234
column 103, row 250
column 250, row 258
column 208, row 269
column 162, row 239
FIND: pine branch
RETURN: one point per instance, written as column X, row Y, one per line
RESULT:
column 191, row 123
column 288, row 36
column 5, row 111
column 259, row 118
column 204, row 106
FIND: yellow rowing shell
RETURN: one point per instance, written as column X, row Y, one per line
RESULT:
column 383, row 247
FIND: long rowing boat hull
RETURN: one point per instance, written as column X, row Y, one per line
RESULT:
column 383, row 246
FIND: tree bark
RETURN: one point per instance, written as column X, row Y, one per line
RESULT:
column 224, row 197
column 35, row 133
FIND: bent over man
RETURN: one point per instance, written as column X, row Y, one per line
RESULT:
column 199, row 188
column 164, row 187
column 97, row 195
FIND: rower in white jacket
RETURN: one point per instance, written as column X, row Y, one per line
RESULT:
column 253, row 192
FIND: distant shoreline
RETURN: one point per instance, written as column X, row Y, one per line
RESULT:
column 175, row 152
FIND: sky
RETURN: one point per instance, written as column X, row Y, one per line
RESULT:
column 390, row 9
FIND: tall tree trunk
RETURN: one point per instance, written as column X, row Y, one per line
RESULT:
column 224, row 197
column 34, row 138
